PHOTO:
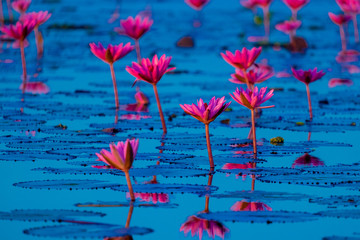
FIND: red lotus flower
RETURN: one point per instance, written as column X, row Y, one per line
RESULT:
column 308, row 76
column 339, row 19
column 112, row 53
column 252, row 98
column 288, row 27
column 36, row 88
column 254, row 76
column 134, row 27
column 296, row 5
column 307, row 160
column 251, row 4
column 19, row 31
column 206, row 113
column 39, row 17
column 263, row 3
column 197, row 226
column 242, row 59
column 349, row 6
column 197, row 4
column 21, row 6
column 250, row 206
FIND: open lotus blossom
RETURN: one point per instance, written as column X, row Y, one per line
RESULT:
column 206, row 113
column 288, row 27
column 295, row 6
column 340, row 20
column 151, row 72
column 253, row 76
column 252, row 99
column 308, row 77
column 121, row 157
column 352, row 8
column 21, row 6
column 36, row 88
column 197, row 4
column 307, row 160
column 19, row 32
column 250, row 206
column 110, row 55
column 251, row 4
column 197, row 226
column 135, row 28
column 40, row 18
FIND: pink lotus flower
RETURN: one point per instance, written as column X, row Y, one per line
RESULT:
column 242, row 59
column 295, row 6
column 252, row 99
column 110, row 55
column 263, row 3
column 308, row 160
column 340, row 82
column 352, row 8
column 206, row 113
column 251, row 4
column 254, row 76
column 121, row 157
column 308, row 77
column 39, row 17
column 152, row 197
column 197, row 4
column 250, row 206
column 134, row 27
column 340, row 20
column 197, row 226
column 19, row 32
column 36, row 88
column 288, row 27
column 21, row 6
column 151, row 72
column 141, row 98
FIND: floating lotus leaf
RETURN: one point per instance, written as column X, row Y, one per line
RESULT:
column 337, row 201
column 259, row 217
column 168, row 188
column 46, row 215
column 340, row 238
column 261, row 171
column 86, row 230
column 341, row 213
column 336, row 170
column 66, row 184
column 29, row 155
column 106, row 204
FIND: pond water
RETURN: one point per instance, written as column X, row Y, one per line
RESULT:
column 306, row 188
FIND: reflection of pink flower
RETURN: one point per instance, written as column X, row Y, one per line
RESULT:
column 197, row 225
column 254, row 76
column 21, row 5
column 137, row 117
column 295, row 5
column 288, row 27
column 197, row 4
column 204, row 112
column 151, row 197
column 242, row 59
column 339, row 19
column 39, row 17
column 36, row 88
column 307, row 160
column 150, row 71
column 239, row 166
column 141, row 98
column 250, row 206
column 134, row 27
column 340, row 82
column 112, row 53
column 252, row 98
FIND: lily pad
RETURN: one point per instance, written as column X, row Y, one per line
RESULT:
column 65, row 184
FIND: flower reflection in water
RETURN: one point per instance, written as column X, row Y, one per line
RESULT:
column 35, row 88
column 197, row 225
column 307, row 160
column 243, row 205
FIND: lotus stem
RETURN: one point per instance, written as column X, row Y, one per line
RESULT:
column 131, row 209
column 159, row 107
column 343, row 38
column 8, row 3
column 207, row 198
column 1, row 14
column 294, row 15
column 246, row 79
column 211, row 160
column 23, row 61
column 128, row 181
column 266, row 22
column 38, row 42
column 309, row 101
column 309, row 136
column 356, row 31
column 253, row 131
column 115, row 86
column 137, row 49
